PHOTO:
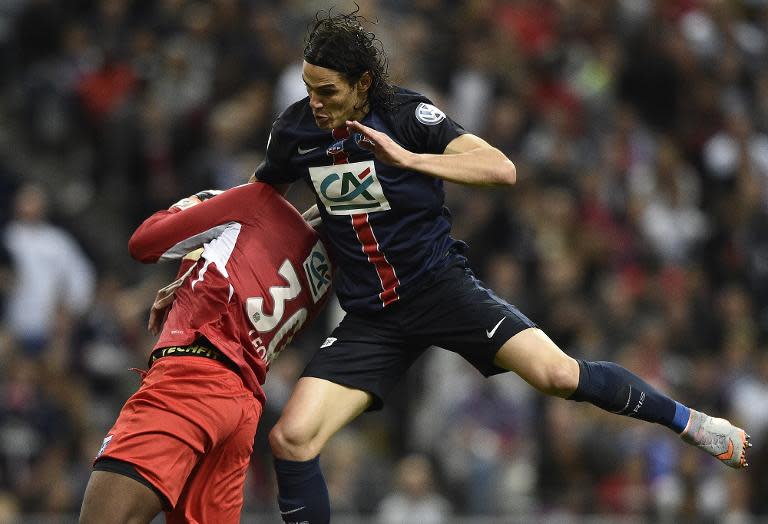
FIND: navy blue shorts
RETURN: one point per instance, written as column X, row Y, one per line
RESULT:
column 454, row 311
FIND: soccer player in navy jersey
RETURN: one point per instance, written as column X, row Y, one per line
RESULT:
column 376, row 156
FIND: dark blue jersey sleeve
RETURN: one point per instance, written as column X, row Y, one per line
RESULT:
column 422, row 127
column 276, row 168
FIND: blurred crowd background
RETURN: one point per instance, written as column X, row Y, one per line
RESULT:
column 637, row 233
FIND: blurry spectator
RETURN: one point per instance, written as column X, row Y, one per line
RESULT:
column 289, row 88
column 472, row 86
column 667, row 199
column 414, row 498
column 738, row 147
column 747, row 396
column 31, row 419
column 478, row 449
column 9, row 508
column 104, row 91
column 54, row 279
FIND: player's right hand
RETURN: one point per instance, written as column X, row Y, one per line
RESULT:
column 166, row 295
column 207, row 193
column 186, row 202
column 381, row 145
column 195, row 199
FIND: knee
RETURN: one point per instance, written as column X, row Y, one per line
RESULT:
column 293, row 442
column 562, row 378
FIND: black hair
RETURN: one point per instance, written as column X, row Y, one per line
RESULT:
column 340, row 42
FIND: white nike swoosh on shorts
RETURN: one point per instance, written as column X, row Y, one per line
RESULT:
column 493, row 331
column 292, row 511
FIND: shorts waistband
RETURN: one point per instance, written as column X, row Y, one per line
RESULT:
column 201, row 348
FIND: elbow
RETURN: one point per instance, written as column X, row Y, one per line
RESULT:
column 507, row 173
column 137, row 250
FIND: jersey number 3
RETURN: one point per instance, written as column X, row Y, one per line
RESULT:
column 269, row 344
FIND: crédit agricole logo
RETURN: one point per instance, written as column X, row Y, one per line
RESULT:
column 348, row 189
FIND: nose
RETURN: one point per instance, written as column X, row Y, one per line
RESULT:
column 314, row 102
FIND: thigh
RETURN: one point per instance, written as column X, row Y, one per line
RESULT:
column 540, row 362
column 136, row 503
column 214, row 490
column 185, row 407
column 316, row 410
column 370, row 354
column 461, row 314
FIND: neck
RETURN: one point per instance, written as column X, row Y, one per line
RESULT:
column 360, row 113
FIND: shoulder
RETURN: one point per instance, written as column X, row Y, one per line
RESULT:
column 253, row 195
column 418, row 125
column 413, row 106
column 295, row 112
column 287, row 129
column 293, row 118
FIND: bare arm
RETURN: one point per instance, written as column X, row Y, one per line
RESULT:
column 468, row 159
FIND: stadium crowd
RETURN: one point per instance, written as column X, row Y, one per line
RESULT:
column 636, row 233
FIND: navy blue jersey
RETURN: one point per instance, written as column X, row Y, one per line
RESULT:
column 387, row 227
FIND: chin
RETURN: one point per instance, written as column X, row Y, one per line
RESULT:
column 324, row 123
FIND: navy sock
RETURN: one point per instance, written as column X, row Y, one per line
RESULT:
column 613, row 388
column 303, row 494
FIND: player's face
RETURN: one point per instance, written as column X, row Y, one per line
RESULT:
column 332, row 98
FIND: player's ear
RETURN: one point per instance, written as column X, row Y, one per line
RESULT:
column 364, row 84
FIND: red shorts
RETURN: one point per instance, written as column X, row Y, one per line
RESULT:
column 189, row 432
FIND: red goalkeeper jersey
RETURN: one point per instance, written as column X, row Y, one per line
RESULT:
column 263, row 273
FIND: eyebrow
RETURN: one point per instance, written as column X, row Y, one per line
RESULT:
column 328, row 84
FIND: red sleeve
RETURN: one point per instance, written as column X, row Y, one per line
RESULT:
column 170, row 234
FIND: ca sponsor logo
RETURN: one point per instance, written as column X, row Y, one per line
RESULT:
column 348, row 189
column 317, row 267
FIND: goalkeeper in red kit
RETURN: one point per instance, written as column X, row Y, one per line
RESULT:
column 182, row 443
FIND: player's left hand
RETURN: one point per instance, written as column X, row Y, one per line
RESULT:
column 383, row 147
column 161, row 305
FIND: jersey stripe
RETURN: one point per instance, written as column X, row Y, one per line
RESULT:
column 193, row 242
column 218, row 251
column 384, row 269
column 366, row 237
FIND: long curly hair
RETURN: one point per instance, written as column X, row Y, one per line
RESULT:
column 340, row 42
